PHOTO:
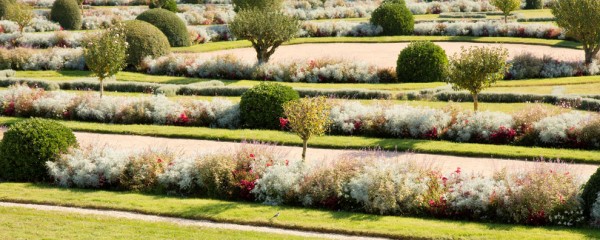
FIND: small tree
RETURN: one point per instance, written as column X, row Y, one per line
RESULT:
column 477, row 68
column 308, row 117
column 106, row 53
column 239, row 5
column 506, row 6
column 580, row 18
column 266, row 29
column 20, row 13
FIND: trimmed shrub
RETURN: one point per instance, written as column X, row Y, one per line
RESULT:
column 258, row 4
column 534, row 4
column 170, row 24
column 28, row 144
column 144, row 40
column 525, row 66
column 170, row 5
column 5, row 6
column 67, row 14
column 422, row 62
column 394, row 18
column 590, row 193
column 262, row 105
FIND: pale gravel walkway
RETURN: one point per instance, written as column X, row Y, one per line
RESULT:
column 181, row 221
column 383, row 54
column 485, row 166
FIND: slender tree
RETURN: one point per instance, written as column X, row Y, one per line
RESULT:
column 506, row 6
column 106, row 54
column 477, row 68
column 580, row 18
column 20, row 13
column 308, row 117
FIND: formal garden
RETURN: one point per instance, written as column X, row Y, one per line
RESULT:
column 284, row 119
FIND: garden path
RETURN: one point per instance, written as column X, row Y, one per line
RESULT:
column 181, row 221
column 448, row 164
column 384, row 54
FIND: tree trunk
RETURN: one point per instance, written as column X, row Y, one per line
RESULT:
column 101, row 87
column 589, row 56
column 262, row 56
column 304, row 145
column 475, row 103
column 505, row 18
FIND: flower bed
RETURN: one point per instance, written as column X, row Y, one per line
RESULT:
column 538, row 196
column 347, row 117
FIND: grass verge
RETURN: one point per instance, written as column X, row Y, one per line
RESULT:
column 24, row 223
column 290, row 217
column 336, row 142
column 216, row 46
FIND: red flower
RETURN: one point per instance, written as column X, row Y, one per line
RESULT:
column 457, row 170
column 269, row 164
column 252, row 155
column 159, row 160
column 283, row 122
column 287, row 162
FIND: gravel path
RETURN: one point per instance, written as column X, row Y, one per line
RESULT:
column 383, row 54
column 181, row 221
column 485, row 166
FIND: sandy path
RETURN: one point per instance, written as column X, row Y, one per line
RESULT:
column 485, row 166
column 383, row 54
column 180, row 221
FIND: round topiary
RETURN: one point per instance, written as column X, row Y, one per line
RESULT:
column 422, row 62
column 67, row 14
column 262, row 105
column 394, row 18
column 5, row 6
column 590, row 193
column 170, row 5
column 170, row 24
column 144, row 40
column 28, row 145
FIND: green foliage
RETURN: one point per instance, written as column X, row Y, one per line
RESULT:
column 394, row 18
column 28, row 144
column 170, row 5
column 144, row 40
column 308, row 117
column 590, row 193
column 265, row 29
column 67, row 14
column 534, row 4
column 5, row 5
column 216, row 176
column 579, row 18
column 477, row 68
column 168, row 23
column 240, row 5
column 262, row 105
column 422, row 62
column 20, row 13
column 105, row 54
column 142, row 170
column 506, row 6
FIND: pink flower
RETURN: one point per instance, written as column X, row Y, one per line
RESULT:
column 159, row 160
column 283, row 122
column 252, row 155
column 287, row 162
column 457, row 170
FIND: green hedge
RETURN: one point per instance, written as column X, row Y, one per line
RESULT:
column 262, row 105
column 422, row 61
column 394, row 18
column 144, row 40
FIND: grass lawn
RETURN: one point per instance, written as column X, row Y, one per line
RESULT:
column 337, row 142
column 24, row 223
column 290, row 217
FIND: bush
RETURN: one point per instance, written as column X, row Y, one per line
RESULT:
column 262, row 105
column 28, row 144
column 534, row 4
column 67, row 14
column 142, row 170
column 258, row 4
column 525, row 66
column 395, row 19
column 590, row 134
column 144, row 40
column 170, row 5
column 422, row 62
column 5, row 6
column 590, row 193
column 170, row 24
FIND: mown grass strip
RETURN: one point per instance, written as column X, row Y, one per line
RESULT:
column 17, row 223
column 336, row 142
column 216, row 46
column 289, row 217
